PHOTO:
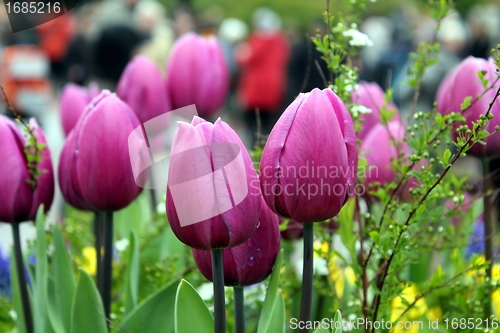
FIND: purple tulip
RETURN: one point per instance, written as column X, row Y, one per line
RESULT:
column 197, row 74
column 381, row 146
column 73, row 100
column 309, row 164
column 463, row 81
column 294, row 230
column 250, row 262
column 19, row 201
column 371, row 96
column 95, row 171
column 141, row 87
column 213, row 192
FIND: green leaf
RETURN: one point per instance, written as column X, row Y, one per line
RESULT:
column 41, row 322
column 87, row 311
column 337, row 328
column 375, row 236
column 62, row 285
column 133, row 217
column 346, row 230
column 272, row 292
column 278, row 317
column 157, row 310
column 446, row 157
column 191, row 313
column 466, row 103
column 132, row 274
column 16, row 295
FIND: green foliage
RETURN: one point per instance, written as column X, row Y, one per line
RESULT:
column 191, row 313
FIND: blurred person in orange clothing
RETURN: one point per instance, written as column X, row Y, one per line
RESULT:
column 54, row 39
column 263, row 63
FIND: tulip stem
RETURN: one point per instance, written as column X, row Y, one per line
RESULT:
column 98, row 223
column 307, row 276
column 219, row 297
column 107, row 262
column 21, row 277
column 239, row 309
column 488, row 233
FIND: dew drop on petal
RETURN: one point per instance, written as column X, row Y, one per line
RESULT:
column 250, row 262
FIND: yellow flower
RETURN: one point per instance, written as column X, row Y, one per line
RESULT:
column 339, row 275
column 88, row 260
column 413, row 315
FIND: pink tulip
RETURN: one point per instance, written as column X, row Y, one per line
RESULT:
column 381, row 146
column 95, row 171
column 19, row 201
column 250, row 262
column 463, row 81
column 73, row 100
column 213, row 198
column 141, row 87
column 197, row 74
column 309, row 164
column 371, row 96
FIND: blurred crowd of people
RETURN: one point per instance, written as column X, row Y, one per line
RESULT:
column 270, row 59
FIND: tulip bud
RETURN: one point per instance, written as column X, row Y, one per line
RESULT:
column 197, row 74
column 141, row 87
column 73, row 100
column 371, row 96
column 382, row 145
column 19, row 198
column 463, row 82
column 309, row 164
column 213, row 197
column 294, row 230
column 250, row 262
column 95, row 171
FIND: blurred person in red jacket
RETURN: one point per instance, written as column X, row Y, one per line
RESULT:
column 263, row 63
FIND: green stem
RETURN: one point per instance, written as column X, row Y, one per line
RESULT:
column 239, row 309
column 21, row 276
column 98, row 233
column 488, row 233
column 107, row 262
column 219, row 297
column 307, row 276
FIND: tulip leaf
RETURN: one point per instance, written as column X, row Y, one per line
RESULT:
column 87, row 310
column 40, row 318
column 321, row 330
column 16, row 295
column 278, row 318
column 62, row 285
column 346, row 229
column 272, row 292
column 157, row 310
column 132, row 217
column 337, row 328
column 191, row 313
column 132, row 274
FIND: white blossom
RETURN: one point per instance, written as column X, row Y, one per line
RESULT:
column 357, row 38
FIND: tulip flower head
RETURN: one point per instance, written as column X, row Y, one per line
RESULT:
column 371, row 96
column 73, row 100
column 382, row 146
column 24, row 185
column 463, row 82
column 197, row 74
column 250, row 262
column 293, row 230
column 95, row 172
column 309, row 164
column 213, row 197
column 141, row 87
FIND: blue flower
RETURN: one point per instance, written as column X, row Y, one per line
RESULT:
column 4, row 276
column 476, row 240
